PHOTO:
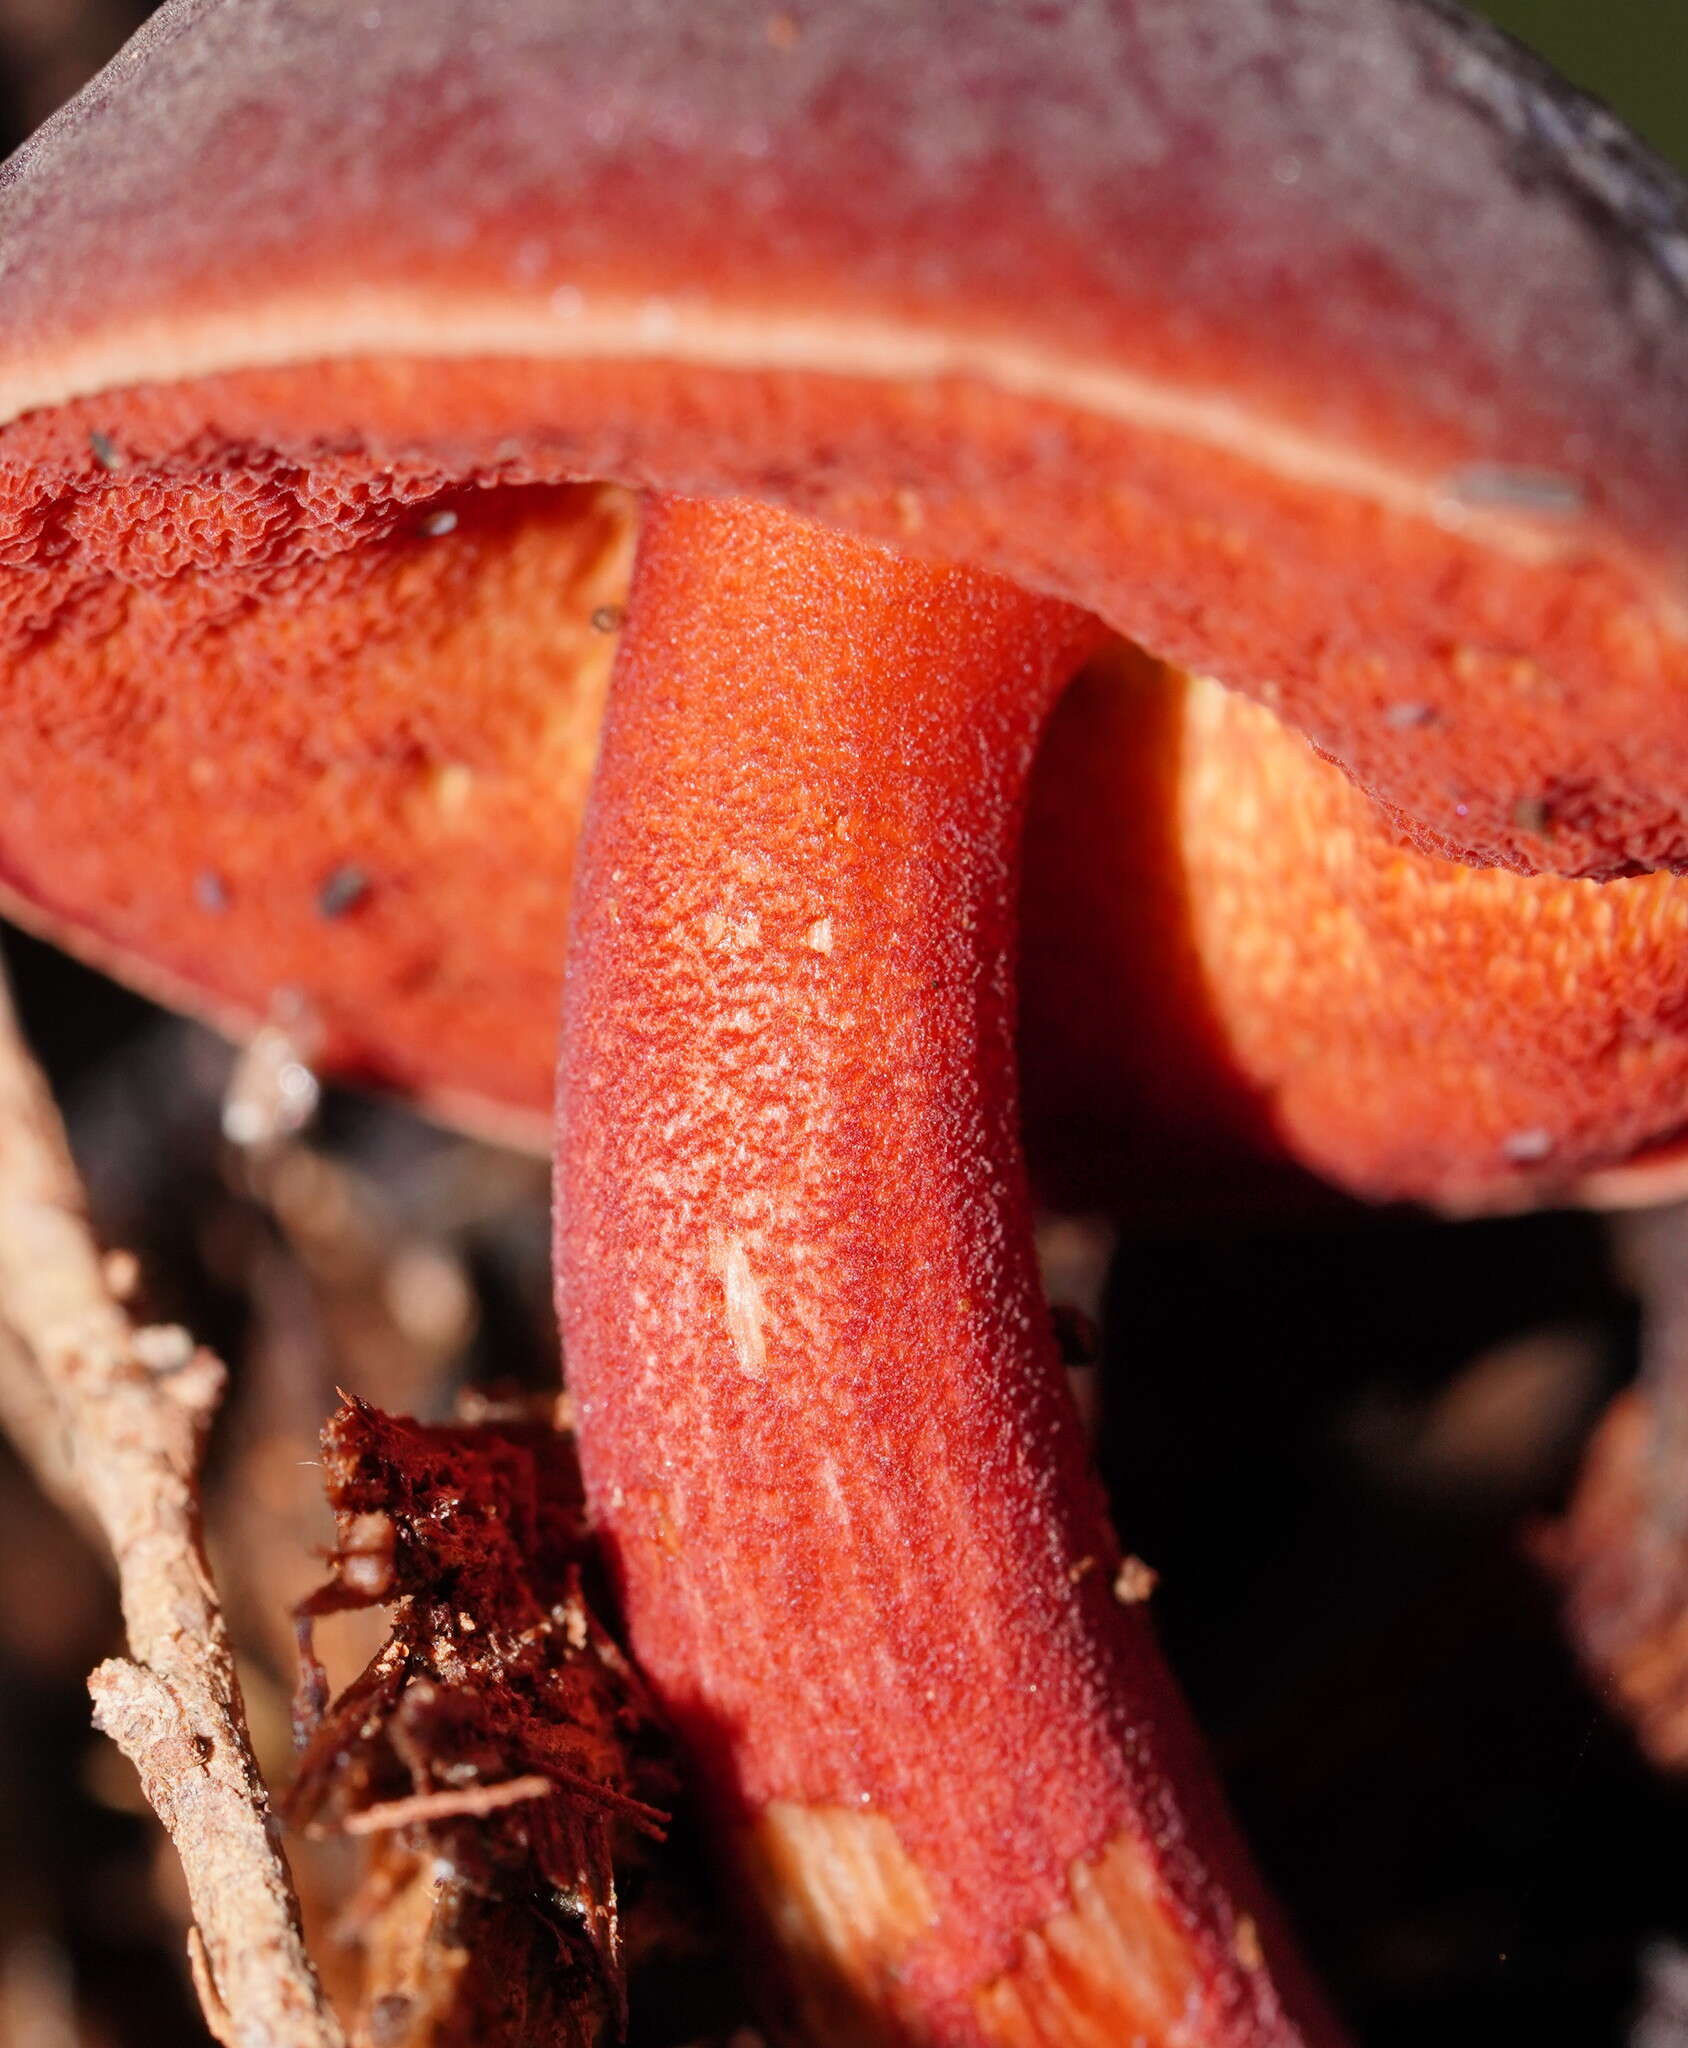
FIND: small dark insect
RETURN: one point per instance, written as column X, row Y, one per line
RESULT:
column 106, row 451
column 607, row 618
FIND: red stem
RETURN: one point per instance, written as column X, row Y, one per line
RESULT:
column 823, row 1422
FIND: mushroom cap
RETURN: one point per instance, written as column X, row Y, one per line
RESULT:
column 1325, row 346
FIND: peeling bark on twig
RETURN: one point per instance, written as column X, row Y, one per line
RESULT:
column 29, row 1420
column 135, row 1406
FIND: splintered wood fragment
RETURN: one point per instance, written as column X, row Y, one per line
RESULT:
column 466, row 1803
column 134, row 1406
column 493, row 1753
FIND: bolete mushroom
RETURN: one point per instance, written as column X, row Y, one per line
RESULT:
column 1324, row 346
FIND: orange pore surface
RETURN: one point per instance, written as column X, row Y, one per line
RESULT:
column 1301, row 983
column 304, row 696
column 299, row 730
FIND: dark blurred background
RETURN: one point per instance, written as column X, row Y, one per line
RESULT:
column 1338, row 1483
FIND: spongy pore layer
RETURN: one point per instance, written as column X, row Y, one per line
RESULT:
column 293, row 729
column 305, row 672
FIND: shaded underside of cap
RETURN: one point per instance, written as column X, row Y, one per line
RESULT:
column 1302, row 986
column 294, row 711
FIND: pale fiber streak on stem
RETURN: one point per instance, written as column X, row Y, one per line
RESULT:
column 135, row 1405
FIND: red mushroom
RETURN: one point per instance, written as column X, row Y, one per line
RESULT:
column 1324, row 346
